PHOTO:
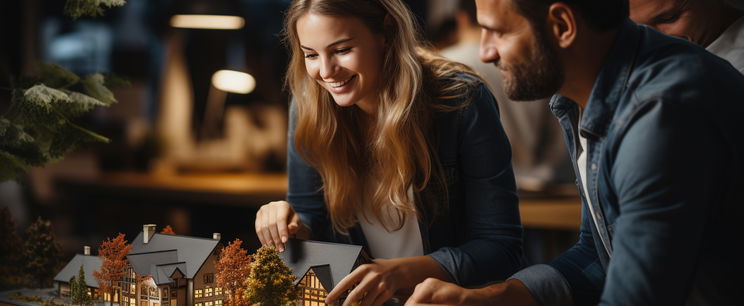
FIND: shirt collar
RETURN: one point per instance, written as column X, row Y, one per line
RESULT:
column 609, row 86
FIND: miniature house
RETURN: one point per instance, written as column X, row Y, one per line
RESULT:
column 171, row 270
column 320, row 266
column 89, row 263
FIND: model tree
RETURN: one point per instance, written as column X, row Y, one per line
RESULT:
column 270, row 282
column 41, row 253
column 38, row 126
column 79, row 289
column 233, row 268
column 92, row 8
column 10, row 259
column 114, row 252
column 168, row 230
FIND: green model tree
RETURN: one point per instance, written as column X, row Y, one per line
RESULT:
column 38, row 127
column 270, row 282
column 92, row 8
column 11, row 274
column 41, row 253
column 79, row 289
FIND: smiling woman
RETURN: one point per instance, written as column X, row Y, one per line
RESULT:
column 392, row 148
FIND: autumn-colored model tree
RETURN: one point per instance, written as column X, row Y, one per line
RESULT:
column 270, row 282
column 114, row 252
column 168, row 230
column 41, row 253
column 11, row 275
column 233, row 268
column 79, row 289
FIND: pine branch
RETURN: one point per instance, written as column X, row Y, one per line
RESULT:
column 92, row 8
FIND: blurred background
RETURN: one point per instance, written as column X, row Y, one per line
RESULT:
column 198, row 138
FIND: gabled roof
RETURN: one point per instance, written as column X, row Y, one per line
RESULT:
column 165, row 253
column 331, row 262
column 89, row 264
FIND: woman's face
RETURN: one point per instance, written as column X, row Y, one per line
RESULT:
column 344, row 57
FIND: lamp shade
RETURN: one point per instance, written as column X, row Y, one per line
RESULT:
column 233, row 81
column 212, row 22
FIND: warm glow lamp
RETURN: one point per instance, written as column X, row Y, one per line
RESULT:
column 212, row 22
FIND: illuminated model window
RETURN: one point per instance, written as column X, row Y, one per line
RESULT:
column 197, row 293
column 208, row 292
column 218, row 303
column 313, row 292
column 218, row 291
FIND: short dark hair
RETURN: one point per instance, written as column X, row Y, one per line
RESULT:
column 468, row 6
column 599, row 14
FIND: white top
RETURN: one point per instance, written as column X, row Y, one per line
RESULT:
column 583, row 164
column 405, row 242
column 730, row 45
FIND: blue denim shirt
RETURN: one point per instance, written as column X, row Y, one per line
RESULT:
column 665, row 168
column 477, row 236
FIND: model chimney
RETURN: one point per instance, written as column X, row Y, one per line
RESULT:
column 86, row 250
column 216, row 236
column 147, row 231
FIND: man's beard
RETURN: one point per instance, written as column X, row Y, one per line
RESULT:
column 539, row 77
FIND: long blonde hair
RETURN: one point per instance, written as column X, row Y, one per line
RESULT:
column 398, row 149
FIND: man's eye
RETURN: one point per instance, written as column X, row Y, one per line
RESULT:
column 669, row 18
column 343, row 50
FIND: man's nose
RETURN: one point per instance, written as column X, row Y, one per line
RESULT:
column 489, row 54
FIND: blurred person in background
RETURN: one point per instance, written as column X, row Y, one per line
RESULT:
column 716, row 25
column 540, row 157
column 393, row 148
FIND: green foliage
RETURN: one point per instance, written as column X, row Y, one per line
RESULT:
column 38, row 127
column 93, row 8
column 79, row 289
column 41, row 252
column 270, row 282
column 11, row 276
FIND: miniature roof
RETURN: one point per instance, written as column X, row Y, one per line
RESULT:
column 163, row 254
column 89, row 264
column 331, row 262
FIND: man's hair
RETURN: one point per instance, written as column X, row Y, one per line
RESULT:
column 468, row 6
column 599, row 14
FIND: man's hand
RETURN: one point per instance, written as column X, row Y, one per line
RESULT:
column 436, row 292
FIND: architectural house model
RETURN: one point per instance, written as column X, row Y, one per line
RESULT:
column 89, row 263
column 320, row 266
column 163, row 270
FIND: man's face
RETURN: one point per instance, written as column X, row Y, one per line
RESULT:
column 527, row 58
column 687, row 19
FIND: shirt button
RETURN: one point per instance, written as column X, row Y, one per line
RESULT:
column 594, row 166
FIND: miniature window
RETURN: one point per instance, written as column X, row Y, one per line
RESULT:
column 197, row 293
column 218, row 303
column 208, row 304
column 198, row 304
column 209, row 278
column 132, row 288
column 218, row 291
column 208, row 292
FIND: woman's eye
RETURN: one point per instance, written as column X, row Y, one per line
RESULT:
column 343, row 50
column 310, row 55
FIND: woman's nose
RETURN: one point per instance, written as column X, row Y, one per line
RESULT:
column 328, row 68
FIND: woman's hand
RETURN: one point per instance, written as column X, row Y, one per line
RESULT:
column 276, row 222
column 379, row 281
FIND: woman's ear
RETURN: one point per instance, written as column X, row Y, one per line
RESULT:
column 561, row 24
